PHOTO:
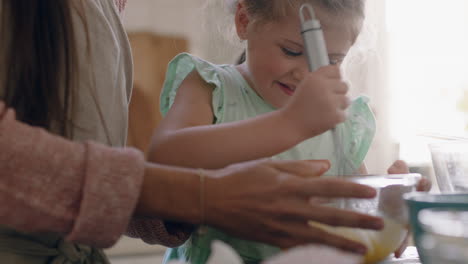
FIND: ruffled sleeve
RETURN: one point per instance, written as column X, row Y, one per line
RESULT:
column 359, row 131
column 179, row 68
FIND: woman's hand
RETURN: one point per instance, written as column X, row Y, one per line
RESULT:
column 319, row 102
column 424, row 185
column 269, row 201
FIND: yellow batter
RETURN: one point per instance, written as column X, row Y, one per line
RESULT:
column 380, row 244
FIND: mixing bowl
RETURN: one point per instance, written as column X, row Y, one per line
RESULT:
column 388, row 204
column 419, row 201
column 445, row 238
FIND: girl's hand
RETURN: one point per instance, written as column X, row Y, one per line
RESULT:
column 319, row 102
column 269, row 201
column 424, row 185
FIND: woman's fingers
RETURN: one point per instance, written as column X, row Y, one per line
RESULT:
column 335, row 188
column 398, row 167
column 306, row 168
column 301, row 234
column 338, row 217
column 317, row 236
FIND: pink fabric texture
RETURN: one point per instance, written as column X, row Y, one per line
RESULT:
column 159, row 232
column 85, row 190
column 47, row 183
column 120, row 4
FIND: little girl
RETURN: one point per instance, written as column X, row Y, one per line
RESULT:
column 268, row 106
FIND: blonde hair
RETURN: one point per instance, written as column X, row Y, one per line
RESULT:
column 270, row 10
column 264, row 11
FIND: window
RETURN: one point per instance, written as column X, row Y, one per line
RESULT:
column 428, row 72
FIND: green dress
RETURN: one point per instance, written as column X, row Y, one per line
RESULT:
column 234, row 100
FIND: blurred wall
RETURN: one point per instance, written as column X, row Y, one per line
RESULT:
column 181, row 18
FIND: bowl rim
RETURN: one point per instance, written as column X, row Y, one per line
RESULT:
column 374, row 180
column 433, row 198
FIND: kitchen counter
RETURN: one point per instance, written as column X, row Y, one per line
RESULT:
column 409, row 257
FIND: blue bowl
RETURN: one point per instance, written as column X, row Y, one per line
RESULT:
column 417, row 201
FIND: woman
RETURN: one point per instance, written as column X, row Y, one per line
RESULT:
column 64, row 194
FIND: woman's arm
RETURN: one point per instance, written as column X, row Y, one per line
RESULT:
column 89, row 192
column 85, row 191
column 264, row 200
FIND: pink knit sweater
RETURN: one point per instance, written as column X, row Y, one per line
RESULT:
column 120, row 4
column 86, row 191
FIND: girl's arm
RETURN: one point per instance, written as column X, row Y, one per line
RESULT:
column 187, row 136
column 363, row 169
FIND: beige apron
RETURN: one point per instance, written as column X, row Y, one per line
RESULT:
column 100, row 114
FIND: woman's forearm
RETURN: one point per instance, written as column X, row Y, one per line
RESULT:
column 216, row 146
column 170, row 193
column 85, row 191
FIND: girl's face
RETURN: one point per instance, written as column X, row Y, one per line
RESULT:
column 276, row 62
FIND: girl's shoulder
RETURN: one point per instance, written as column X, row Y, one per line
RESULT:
column 189, row 69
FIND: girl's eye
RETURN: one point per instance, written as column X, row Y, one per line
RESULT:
column 291, row 53
column 336, row 61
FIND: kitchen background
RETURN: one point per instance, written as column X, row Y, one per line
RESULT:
column 410, row 60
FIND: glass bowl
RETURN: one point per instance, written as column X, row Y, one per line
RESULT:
column 388, row 204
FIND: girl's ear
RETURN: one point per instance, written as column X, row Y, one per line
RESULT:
column 242, row 20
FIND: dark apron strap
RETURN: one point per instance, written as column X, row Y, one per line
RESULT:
column 64, row 253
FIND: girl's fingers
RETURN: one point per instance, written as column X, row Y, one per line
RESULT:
column 320, row 200
column 331, row 71
column 345, row 102
column 398, row 167
column 424, row 185
column 341, row 88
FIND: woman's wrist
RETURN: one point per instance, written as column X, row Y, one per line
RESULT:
column 170, row 193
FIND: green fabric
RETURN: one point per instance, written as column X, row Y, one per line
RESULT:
column 234, row 100
column 21, row 248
